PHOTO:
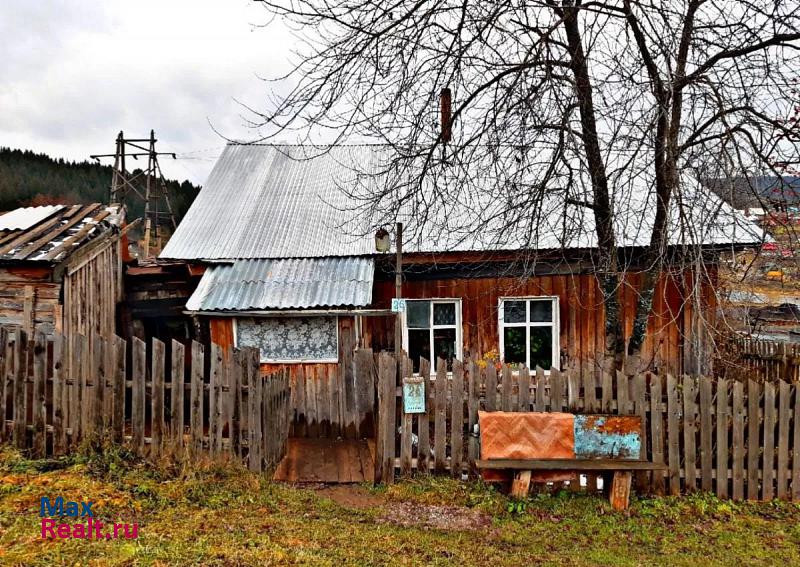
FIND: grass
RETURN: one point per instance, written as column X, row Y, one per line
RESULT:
column 206, row 515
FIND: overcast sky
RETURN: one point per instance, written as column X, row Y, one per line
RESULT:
column 76, row 72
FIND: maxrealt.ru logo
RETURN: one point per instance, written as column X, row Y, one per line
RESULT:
column 88, row 529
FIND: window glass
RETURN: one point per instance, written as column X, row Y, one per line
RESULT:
column 541, row 347
column 290, row 338
column 444, row 346
column 541, row 311
column 514, row 311
column 514, row 345
column 419, row 345
column 444, row 313
column 418, row 314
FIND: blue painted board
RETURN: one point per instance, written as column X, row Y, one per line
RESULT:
column 608, row 437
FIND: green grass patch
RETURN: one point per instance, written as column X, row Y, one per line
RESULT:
column 212, row 515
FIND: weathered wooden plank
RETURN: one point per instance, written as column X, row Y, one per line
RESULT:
column 541, row 385
column 737, row 441
column 722, row 425
column 673, row 435
column 524, row 397
column 490, row 402
column 177, row 377
column 236, row 411
column 423, row 429
column 157, row 365
column 753, row 423
column 657, row 430
column 119, row 377
column 59, row 393
column 214, row 409
column 138, row 363
column 620, row 490
column 573, row 391
column 568, row 464
column 440, row 419
column 784, row 415
column 406, row 434
column 556, row 390
column 39, row 396
column 100, row 372
column 385, row 445
column 607, row 395
column 506, row 389
column 254, row 396
column 640, row 408
column 768, row 462
column 690, row 433
column 457, row 420
column 87, row 382
column 196, row 397
column 589, row 392
column 623, row 390
column 75, row 356
column 473, row 403
column 796, row 443
column 706, row 434
column 20, row 394
column 365, row 391
column 6, row 383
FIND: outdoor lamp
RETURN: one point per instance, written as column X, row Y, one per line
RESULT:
column 382, row 240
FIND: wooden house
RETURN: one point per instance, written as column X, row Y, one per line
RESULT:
column 287, row 270
column 60, row 268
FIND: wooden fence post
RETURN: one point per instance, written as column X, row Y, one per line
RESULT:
column 254, row 413
column 673, row 436
column 39, row 395
column 753, row 423
column 722, row 438
column 406, row 419
column 385, row 444
column 176, row 394
column 737, row 440
column 20, row 381
column 157, row 366
column 236, row 416
column 60, row 400
column 423, row 423
column 196, row 398
column 119, row 377
column 138, row 362
column 457, row 419
column 440, row 419
column 214, row 410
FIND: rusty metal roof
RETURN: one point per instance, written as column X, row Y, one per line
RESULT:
column 58, row 232
column 284, row 284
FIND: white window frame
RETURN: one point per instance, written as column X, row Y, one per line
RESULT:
column 288, row 361
column 555, row 324
column 458, row 326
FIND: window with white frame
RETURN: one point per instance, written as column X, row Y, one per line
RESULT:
column 290, row 339
column 432, row 330
column 529, row 332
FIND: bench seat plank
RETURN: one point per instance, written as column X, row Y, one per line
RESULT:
column 569, row 464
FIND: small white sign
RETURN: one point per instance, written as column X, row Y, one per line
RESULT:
column 398, row 305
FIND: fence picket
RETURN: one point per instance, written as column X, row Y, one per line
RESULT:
column 473, row 405
column 753, row 423
column 783, row 440
column 440, row 419
column 768, row 455
column 524, row 397
column 118, row 413
column 689, row 433
column 706, row 434
column 423, row 429
column 157, row 427
column 737, row 440
column 673, row 434
column 178, row 358
column 457, row 420
column 138, row 361
column 656, row 430
column 39, row 396
column 506, row 389
column 722, row 423
column 491, row 388
column 196, row 397
column 59, row 391
column 20, row 394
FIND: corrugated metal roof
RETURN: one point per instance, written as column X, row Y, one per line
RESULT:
column 285, row 284
column 264, row 201
column 275, row 202
column 25, row 217
column 56, row 236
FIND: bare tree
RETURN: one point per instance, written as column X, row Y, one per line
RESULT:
column 591, row 120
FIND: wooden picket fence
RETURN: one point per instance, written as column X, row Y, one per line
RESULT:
column 739, row 439
column 165, row 399
column 759, row 360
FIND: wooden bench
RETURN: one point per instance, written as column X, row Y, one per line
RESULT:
column 620, row 488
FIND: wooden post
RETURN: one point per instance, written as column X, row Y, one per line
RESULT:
column 768, row 461
column 398, row 293
column 176, row 396
column 138, row 362
column 440, row 420
column 39, row 397
column 196, row 398
column 214, row 410
column 722, row 438
column 673, row 436
column 157, row 396
column 473, row 405
column 120, row 377
column 384, row 462
column 236, row 414
column 457, row 420
column 59, row 396
column 99, row 372
column 20, row 380
column 407, row 420
column 753, row 426
column 737, row 440
column 423, row 423
column 254, row 417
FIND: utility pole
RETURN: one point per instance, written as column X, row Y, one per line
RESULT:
column 148, row 185
column 398, row 293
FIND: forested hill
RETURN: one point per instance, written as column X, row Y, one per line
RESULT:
column 28, row 178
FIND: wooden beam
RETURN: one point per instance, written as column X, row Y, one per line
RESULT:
column 569, row 465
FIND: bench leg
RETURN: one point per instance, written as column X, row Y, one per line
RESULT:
column 521, row 484
column 620, row 493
